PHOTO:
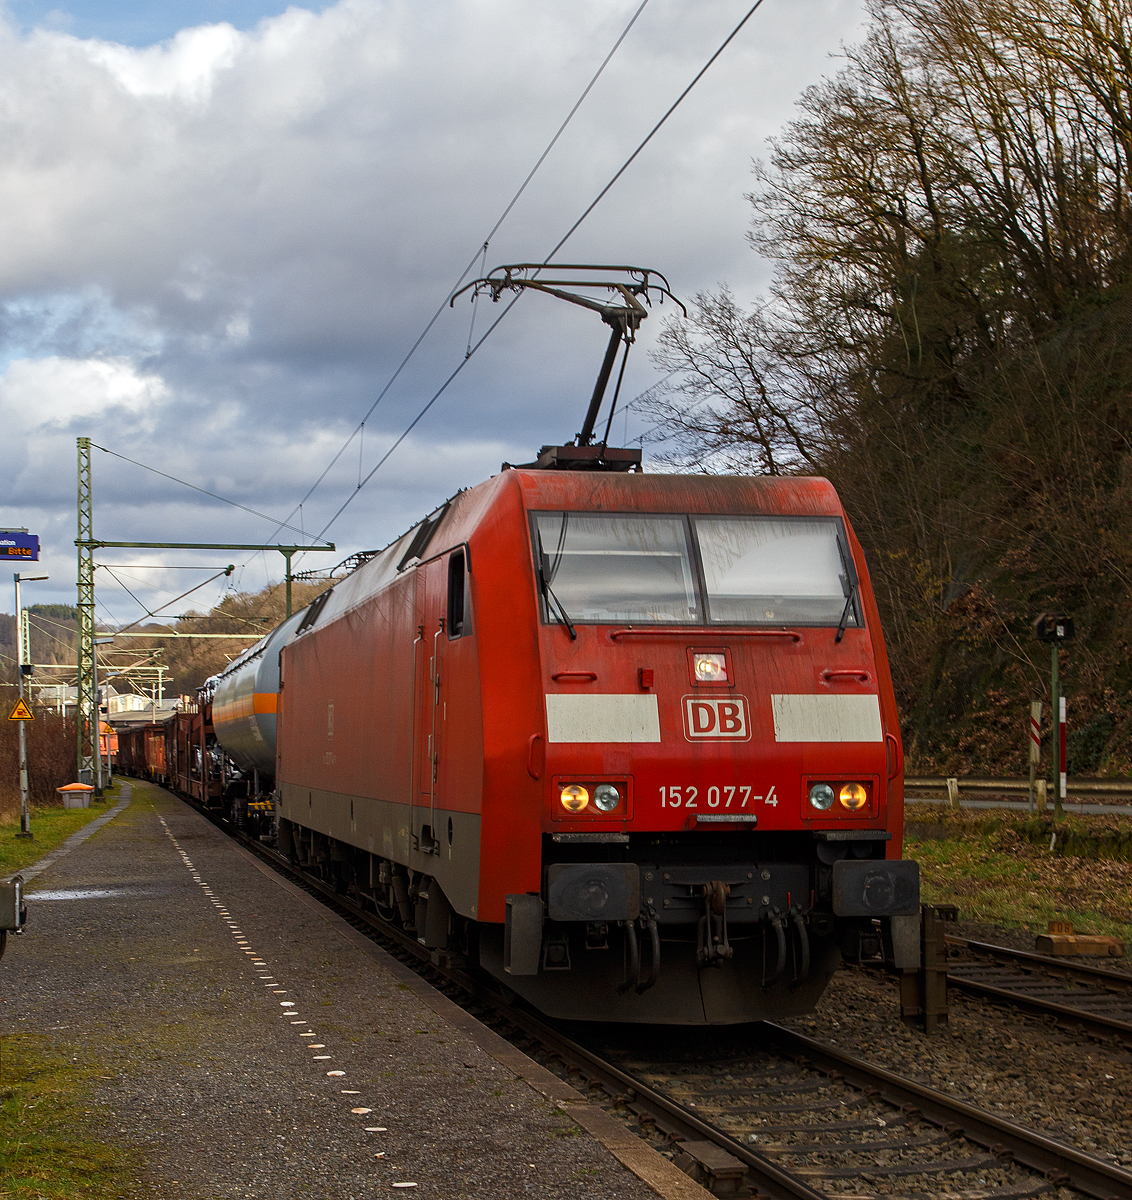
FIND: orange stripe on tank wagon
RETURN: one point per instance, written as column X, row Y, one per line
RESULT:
column 233, row 710
column 247, row 706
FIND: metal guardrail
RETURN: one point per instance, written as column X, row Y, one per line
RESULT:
column 1107, row 788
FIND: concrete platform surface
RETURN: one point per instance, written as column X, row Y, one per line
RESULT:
column 253, row 1045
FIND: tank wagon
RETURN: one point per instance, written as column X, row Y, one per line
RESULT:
column 628, row 743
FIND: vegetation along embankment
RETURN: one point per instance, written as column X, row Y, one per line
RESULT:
column 1012, row 869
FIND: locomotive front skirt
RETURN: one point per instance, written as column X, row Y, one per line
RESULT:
column 626, row 742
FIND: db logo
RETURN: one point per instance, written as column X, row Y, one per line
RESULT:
column 723, row 718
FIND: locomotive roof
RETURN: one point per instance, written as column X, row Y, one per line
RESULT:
column 590, row 491
column 587, row 491
column 597, row 491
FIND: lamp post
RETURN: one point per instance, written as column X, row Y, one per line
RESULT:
column 25, row 810
column 97, row 731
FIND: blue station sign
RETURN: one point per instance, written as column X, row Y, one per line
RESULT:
column 22, row 547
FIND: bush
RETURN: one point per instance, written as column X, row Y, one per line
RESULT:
column 51, row 760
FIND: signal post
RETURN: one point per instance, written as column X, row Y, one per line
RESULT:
column 22, row 547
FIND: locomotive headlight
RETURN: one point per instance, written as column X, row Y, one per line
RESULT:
column 821, row 796
column 574, row 797
column 853, row 796
column 710, row 668
column 606, row 797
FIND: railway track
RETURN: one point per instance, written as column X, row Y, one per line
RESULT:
column 760, row 1110
column 1092, row 998
column 771, row 1110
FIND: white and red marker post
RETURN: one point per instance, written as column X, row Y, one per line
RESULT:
column 1055, row 628
column 1035, row 744
column 1061, row 757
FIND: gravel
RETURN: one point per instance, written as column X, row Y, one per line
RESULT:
column 189, row 982
column 1065, row 1084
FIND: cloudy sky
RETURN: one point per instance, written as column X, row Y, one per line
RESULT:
column 223, row 223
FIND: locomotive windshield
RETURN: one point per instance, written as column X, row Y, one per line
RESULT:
column 616, row 568
column 601, row 568
column 775, row 571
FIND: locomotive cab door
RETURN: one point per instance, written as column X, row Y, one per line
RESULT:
column 429, row 707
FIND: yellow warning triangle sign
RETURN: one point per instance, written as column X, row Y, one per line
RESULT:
column 21, row 712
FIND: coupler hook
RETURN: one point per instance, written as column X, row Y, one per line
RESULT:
column 713, row 944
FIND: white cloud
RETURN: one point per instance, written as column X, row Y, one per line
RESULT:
column 50, row 393
column 185, row 67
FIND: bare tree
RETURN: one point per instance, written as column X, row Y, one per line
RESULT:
column 736, row 410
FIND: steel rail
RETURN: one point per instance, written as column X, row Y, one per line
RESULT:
column 1045, row 962
column 770, row 1179
column 1094, row 1022
column 1056, row 1161
column 1053, row 1160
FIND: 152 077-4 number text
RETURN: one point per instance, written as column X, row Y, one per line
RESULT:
column 738, row 796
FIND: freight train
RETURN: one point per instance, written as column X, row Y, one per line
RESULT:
column 626, row 743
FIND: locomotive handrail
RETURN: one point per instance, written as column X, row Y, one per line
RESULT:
column 536, row 756
column 896, row 765
column 574, row 676
column 849, row 673
column 701, row 631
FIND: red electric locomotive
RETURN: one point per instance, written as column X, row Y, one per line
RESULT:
column 626, row 742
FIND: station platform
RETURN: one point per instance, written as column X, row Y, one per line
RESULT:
column 251, row 1044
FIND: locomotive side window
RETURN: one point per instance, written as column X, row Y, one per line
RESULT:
column 458, row 622
column 598, row 568
column 777, row 571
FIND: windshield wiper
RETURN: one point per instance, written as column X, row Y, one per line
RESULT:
column 549, row 596
column 561, row 611
column 845, row 611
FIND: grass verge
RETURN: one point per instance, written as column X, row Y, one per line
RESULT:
column 49, row 1146
column 988, row 864
column 50, row 826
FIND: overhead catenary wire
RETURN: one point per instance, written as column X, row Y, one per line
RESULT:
column 561, row 242
column 481, row 250
column 655, row 129
column 414, row 422
column 53, row 636
column 142, row 582
column 205, row 583
column 204, row 491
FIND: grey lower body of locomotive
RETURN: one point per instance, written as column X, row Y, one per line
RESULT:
column 647, row 943
column 711, row 944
